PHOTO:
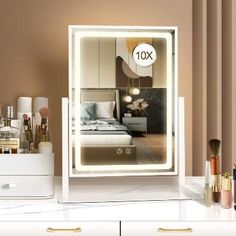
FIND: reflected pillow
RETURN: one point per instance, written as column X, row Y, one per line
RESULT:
column 87, row 111
column 105, row 110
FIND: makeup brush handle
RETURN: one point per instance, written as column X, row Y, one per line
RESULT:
column 215, row 168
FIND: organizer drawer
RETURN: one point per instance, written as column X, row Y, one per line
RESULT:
column 26, row 186
column 59, row 228
column 178, row 228
column 26, row 164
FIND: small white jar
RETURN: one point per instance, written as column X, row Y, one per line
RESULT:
column 45, row 147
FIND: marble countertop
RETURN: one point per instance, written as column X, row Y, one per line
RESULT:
column 189, row 207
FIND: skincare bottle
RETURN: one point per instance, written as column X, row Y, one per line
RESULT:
column 234, row 181
column 24, row 106
column 208, row 186
column 226, row 191
column 215, row 169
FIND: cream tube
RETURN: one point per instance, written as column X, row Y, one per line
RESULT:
column 40, row 102
column 24, row 106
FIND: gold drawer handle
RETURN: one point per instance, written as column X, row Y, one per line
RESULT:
column 53, row 230
column 164, row 230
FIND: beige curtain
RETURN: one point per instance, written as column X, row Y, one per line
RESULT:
column 214, row 80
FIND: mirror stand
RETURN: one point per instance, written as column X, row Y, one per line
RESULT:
column 122, row 188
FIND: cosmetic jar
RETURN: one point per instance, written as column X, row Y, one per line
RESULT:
column 45, row 147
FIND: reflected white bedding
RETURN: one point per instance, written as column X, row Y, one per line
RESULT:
column 106, row 139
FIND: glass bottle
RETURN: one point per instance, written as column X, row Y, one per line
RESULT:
column 9, row 132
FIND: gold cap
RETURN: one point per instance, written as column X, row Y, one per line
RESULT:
column 226, row 182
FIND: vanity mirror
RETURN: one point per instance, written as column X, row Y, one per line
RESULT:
column 122, row 101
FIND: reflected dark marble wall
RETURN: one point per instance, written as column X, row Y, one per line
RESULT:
column 156, row 110
column 122, row 78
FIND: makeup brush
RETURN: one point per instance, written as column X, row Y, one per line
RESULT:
column 26, row 135
column 215, row 168
column 27, row 128
column 45, row 113
column 26, row 121
column 45, row 144
column 214, row 146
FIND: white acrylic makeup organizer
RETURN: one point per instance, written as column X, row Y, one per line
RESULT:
column 26, row 176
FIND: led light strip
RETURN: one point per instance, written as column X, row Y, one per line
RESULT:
column 126, row 34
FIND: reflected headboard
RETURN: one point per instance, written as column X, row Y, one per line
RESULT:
column 102, row 95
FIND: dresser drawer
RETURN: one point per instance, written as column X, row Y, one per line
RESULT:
column 59, row 228
column 178, row 228
column 26, row 186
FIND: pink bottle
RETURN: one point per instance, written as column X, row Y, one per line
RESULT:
column 226, row 191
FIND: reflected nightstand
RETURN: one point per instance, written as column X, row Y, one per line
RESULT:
column 136, row 124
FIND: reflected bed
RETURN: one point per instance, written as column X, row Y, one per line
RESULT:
column 104, row 140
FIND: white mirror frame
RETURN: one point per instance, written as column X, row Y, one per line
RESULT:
column 75, row 33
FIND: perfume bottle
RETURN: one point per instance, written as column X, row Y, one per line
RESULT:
column 9, row 133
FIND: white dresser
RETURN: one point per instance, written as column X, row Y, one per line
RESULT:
column 140, row 218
